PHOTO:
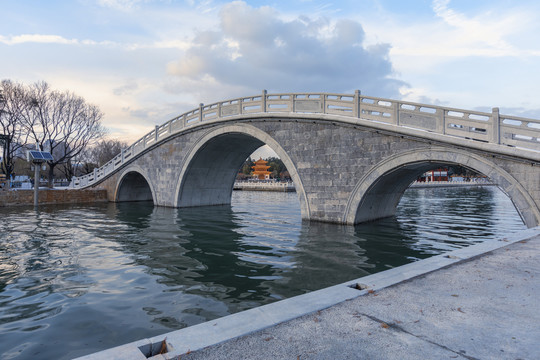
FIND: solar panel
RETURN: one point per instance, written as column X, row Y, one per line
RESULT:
column 36, row 155
column 39, row 156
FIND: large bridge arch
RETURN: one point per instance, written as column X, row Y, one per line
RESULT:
column 134, row 185
column 378, row 192
column 209, row 170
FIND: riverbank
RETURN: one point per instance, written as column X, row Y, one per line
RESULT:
column 289, row 186
column 475, row 302
column 264, row 186
column 51, row 196
column 456, row 184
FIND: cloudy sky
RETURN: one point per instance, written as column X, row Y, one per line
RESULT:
column 145, row 61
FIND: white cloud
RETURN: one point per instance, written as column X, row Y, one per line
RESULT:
column 481, row 35
column 254, row 48
column 36, row 38
column 122, row 5
column 463, row 54
column 57, row 39
column 451, row 34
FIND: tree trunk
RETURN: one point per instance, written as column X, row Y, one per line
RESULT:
column 51, row 175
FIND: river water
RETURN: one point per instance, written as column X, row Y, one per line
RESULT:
column 78, row 279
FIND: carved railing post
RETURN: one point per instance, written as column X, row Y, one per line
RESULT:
column 356, row 106
column 200, row 112
column 443, row 120
column 496, row 126
column 395, row 106
column 263, row 101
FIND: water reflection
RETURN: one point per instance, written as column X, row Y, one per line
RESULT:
column 77, row 279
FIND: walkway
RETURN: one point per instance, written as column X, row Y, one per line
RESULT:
column 485, row 308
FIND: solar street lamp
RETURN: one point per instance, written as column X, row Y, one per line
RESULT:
column 4, row 143
column 37, row 158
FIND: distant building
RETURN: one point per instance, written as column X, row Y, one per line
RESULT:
column 57, row 149
column 260, row 170
column 434, row 175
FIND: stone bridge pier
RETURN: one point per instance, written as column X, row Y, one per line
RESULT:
column 343, row 172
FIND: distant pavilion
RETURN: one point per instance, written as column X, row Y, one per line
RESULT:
column 260, row 170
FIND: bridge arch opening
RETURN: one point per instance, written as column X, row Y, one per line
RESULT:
column 378, row 193
column 210, row 169
column 133, row 186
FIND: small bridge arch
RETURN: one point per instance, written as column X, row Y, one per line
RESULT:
column 134, row 185
column 378, row 192
column 209, row 171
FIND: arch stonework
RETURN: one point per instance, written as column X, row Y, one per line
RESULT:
column 249, row 131
column 125, row 173
column 419, row 161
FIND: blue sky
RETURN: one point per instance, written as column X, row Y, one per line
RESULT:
column 145, row 61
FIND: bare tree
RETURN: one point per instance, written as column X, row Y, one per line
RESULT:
column 13, row 103
column 61, row 123
column 93, row 157
column 106, row 150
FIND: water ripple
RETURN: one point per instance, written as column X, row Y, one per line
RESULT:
column 99, row 276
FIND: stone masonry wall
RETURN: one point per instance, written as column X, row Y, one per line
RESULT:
column 26, row 197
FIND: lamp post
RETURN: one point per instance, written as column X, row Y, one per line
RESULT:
column 36, row 183
column 4, row 142
column 37, row 158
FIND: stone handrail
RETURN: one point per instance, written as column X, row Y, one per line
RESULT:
column 482, row 126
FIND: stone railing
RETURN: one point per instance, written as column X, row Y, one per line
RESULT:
column 482, row 126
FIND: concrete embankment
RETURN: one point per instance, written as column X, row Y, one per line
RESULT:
column 48, row 196
column 264, row 186
column 449, row 184
column 479, row 302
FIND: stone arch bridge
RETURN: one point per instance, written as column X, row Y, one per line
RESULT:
column 350, row 156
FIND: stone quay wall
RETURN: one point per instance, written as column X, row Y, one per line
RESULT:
column 46, row 196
